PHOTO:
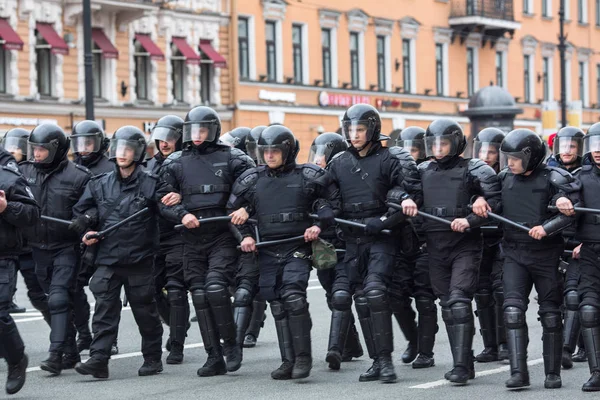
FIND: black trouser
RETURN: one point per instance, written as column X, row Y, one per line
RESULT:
column 138, row 281
column 37, row 297
column 81, row 306
column 11, row 344
column 174, row 309
column 57, row 272
column 589, row 309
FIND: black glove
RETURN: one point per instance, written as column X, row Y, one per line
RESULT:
column 80, row 224
column 374, row 227
column 326, row 217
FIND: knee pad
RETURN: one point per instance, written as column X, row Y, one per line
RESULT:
column 484, row 300
column 377, row 300
column 295, row 304
column 551, row 322
column 572, row 300
column 461, row 312
column 514, row 318
column 447, row 316
column 58, row 302
column 217, row 294
column 425, row 305
column 277, row 310
column 199, row 299
column 589, row 316
column 341, row 300
column 176, row 297
column 216, row 278
column 242, row 298
column 362, row 307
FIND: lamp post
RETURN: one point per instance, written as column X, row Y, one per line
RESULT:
column 88, row 60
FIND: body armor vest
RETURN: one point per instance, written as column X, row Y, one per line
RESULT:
column 589, row 224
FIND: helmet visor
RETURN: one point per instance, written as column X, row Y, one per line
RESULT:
column 166, row 134
column 440, row 146
column 591, row 144
column 416, row 147
column 130, row 150
column 357, row 130
column 517, row 161
column 251, row 149
column 86, row 144
column 230, row 140
column 488, row 152
column 199, row 132
column 42, row 153
column 16, row 145
column 320, row 154
column 270, row 153
column 568, row 147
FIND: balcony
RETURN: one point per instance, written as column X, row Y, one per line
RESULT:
column 495, row 17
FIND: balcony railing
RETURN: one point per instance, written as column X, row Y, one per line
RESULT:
column 493, row 9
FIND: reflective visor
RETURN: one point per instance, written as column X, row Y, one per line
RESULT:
column 166, row 134
column 416, row 147
column 568, row 145
column 199, row 132
column 131, row 150
column 591, row 143
column 439, row 146
column 42, row 153
column 356, row 130
column 489, row 152
column 320, row 154
column 230, row 140
column 86, row 144
column 251, row 149
column 16, row 145
column 516, row 161
column 268, row 152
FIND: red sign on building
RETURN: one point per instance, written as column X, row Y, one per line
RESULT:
column 341, row 100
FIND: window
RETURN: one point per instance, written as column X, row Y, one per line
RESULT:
column 499, row 68
column 583, row 83
column 297, row 51
column 97, row 71
column 3, row 70
column 546, row 78
column 178, row 74
column 142, row 69
column 582, row 11
column 526, row 78
column 243, row 48
column 406, row 65
column 470, row 71
column 271, row 52
column 439, row 68
column 381, row 62
column 205, row 79
column 354, row 65
column 326, row 55
column 528, row 7
column 546, row 8
column 43, row 66
column 597, row 12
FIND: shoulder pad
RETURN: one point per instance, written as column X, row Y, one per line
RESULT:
column 150, row 174
column 586, row 168
column 479, row 168
column 82, row 168
column 504, row 173
column 559, row 176
column 240, row 155
column 576, row 171
column 172, row 157
column 400, row 153
column 11, row 167
column 311, row 170
column 250, row 176
column 424, row 165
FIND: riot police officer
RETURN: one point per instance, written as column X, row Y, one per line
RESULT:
column 281, row 194
column 236, row 138
column 15, row 142
column 204, row 175
column 589, row 234
column 489, row 297
column 124, row 258
column 57, row 184
column 18, row 210
column 411, row 277
column 368, row 175
column 449, row 183
column 567, row 149
column 531, row 258
column 89, row 145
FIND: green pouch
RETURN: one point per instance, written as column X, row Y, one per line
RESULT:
column 323, row 255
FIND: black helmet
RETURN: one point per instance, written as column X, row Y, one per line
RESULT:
column 413, row 140
column 441, row 130
column 128, row 138
column 325, row 146
column 88, row 137
column 486, row 146
column 395, row 135
column 277, row 137
column 15, row 142
column 252, row 139
column 525, row 145
column 591, row 141
column 51, row 138
column 168, row 129
column 362, row 114
column 567, row 138
column 236, row 137
column 201, row 123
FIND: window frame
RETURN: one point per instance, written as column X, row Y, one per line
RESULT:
column 41, row 46
column 244, row 52
column 327, row 69
column 439, row 69
column 381, row 62
column 527, row 78
column 500, row 68
column 470, row 72
column 354, row 61
column 546, row 78
column 271, row 51
column 406, row 66
column 297, row 54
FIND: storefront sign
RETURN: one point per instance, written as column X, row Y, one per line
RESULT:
column 26, row 121
column 382, row 103
column 287, row 97
column 148, row 126
column 341, row 100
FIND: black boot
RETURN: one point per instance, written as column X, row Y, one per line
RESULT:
column 163, row 306
column 449, row 323
column 71, row 353
column 352, row 347
column 593, row 384
column 381, row 318
column 284, row 338
column 364, row 317
column 405, row 316
column 241, row 317
column 215, row 365
column 338, row 332
column 13, row 350
column 13, row 308
column 114, row 348
column 53, row 363
column 150, row 367
column 552, row 348
column 500, row 328
column 580, row 355
column 427, row 329
column 591, row 339
column 178, row 324
column 464, row 329
column 222, row 311
column 300, row 326
column 387, row 373
column 84, row 341
column 175, row 354
column 16, row 375
column 257, row 321
column 572, row 327
column 517, row 340
column 95, row 367
column 486, row 314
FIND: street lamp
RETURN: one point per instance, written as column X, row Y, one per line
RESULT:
column 88, row 60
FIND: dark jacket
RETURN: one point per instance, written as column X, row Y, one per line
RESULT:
column 6, row 158
column 99, row 165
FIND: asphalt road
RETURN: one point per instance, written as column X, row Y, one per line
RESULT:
column 253, row 381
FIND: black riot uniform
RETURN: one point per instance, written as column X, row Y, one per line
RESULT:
column 57, row 184
column 411, row 276
column 366, row 182
column 18, row 210
column 124, row 257
column 168, row 264
column 89, row 145
column 527, row 191
column 588, row 233
column 489, row 297
column 204, row 175
column 449, row 183
column 281, row 200
column 344, row 342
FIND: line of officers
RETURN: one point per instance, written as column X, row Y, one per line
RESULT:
column 202, row 199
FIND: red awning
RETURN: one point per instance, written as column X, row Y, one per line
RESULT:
column 12, row 41
column 190, row 55
column 103, row 42
column 218, row 60
column 57, row 44
column 151, row 47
